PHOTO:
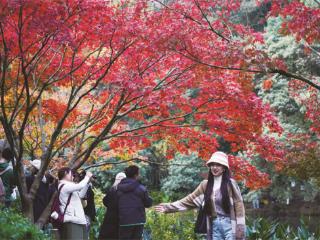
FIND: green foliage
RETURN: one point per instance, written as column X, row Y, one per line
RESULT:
column 184, row 175
column 174, row 226
column 106, row 178
column 159, row 197
column 159, row 226
column 100, row 213
column 178, row 226
column 289, row 110
column 16, row 227
column 305, row 166
column 95, row 226
column 98, row 197
column 263, row 229
column 291, row 114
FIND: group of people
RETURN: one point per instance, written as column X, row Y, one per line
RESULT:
column 126, row 202
column 7, row 180
column 76, row 199
column 80, row 211
column 219, row 197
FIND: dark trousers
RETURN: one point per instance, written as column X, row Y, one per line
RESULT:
column 72, row 231
column 109, row 231
column 131, row 232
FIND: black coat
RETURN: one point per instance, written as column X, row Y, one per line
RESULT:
column 42, row 197
column 90, row 209
column 133, row 199
column 110, row 226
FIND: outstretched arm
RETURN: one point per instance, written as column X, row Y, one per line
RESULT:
column 193, row 200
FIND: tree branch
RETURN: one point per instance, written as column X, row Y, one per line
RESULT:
column 209, row 23
column 138, row 160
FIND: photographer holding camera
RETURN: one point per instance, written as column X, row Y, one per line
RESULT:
column 71, row 193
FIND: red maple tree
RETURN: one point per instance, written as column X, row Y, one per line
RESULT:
column 128, row 75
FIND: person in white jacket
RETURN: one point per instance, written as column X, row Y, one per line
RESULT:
column 74, row 226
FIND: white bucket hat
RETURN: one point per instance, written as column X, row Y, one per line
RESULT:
column 119, row 177
column 36, row 163
column 219, row 157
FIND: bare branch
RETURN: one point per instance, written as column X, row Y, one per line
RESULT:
column 294, row 76
column 103, row 163
column 157, row 123
column 209, row 23
column 279, row 71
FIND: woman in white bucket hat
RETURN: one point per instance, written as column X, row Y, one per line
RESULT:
column 221, row 201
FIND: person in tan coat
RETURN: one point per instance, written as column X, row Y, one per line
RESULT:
column 220, row 198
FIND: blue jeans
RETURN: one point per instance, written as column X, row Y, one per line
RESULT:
column 255, row 203
column 221, row 228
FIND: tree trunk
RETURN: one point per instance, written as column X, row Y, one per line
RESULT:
column 27, row 207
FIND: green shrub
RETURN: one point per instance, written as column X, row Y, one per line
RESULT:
column 159, row 197
column 176, row 226
column 14, row 226
column 173, row 226
column 95, row 226
column 261, row 228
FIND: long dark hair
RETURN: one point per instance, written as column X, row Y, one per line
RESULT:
column 224, row 192
column 63, row 172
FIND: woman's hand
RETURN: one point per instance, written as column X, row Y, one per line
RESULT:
column 89, row 174
column 160, row 208
column 240, row 232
